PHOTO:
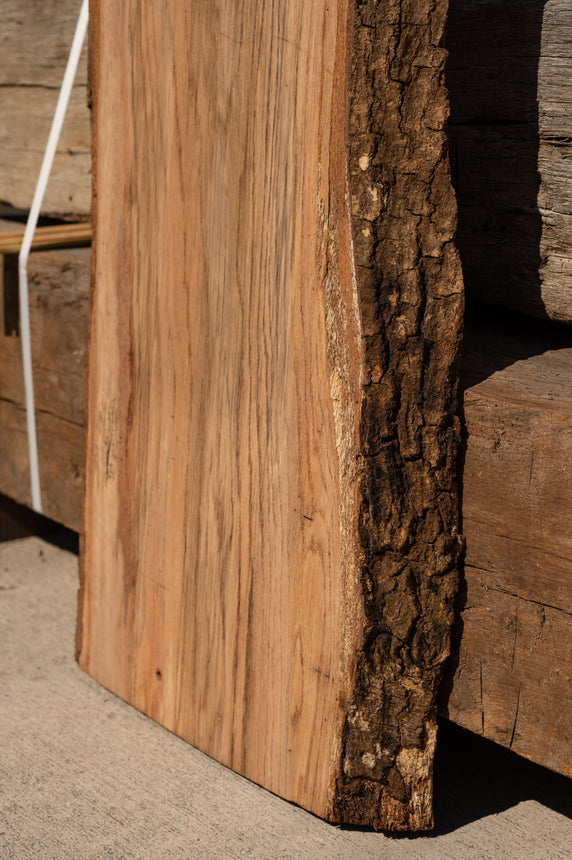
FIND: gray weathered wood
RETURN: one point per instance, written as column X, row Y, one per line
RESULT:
column 35, row 42
column 510, row 81
column 512, row 668
column 59, row 287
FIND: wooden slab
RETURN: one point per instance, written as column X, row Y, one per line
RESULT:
column 510, row 78
column 512, row 661
column 36, row 40
column 270, row 546
column 59, row 296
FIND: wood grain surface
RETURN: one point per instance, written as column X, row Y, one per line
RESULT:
column 512, row 660
column 36, row 40
column 510, row 82
column 262, row 470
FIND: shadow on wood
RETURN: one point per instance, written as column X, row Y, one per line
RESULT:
column 492, row 77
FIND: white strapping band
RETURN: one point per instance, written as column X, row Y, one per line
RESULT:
column 57, row 123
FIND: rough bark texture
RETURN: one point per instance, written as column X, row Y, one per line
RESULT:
column 411, row 301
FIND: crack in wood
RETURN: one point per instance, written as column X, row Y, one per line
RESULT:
column 515, row 718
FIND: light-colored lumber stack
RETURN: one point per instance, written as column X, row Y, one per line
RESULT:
column 269, row 563
column 56, row 236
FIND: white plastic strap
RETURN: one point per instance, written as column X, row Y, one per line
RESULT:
column 57, row 123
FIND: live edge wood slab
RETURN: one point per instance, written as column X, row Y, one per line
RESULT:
column 270, row 555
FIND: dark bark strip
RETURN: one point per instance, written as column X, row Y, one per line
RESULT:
column 411, row 303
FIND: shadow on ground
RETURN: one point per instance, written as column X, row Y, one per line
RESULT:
column 475, row 778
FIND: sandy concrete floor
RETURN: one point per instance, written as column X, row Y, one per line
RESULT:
column 82, row 775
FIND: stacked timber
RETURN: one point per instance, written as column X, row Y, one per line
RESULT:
column 509, row 76
column 35, row 43
column 59, row 296
column 511, row 674
column 36, row 39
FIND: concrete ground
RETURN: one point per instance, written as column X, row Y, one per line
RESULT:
column 82, row 775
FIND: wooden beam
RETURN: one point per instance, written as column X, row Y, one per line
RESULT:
column 510, row 85
column 511, row 672
column 270, row 549
column 59, row 296
column 36, row 39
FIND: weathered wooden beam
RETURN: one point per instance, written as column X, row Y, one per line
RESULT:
column 511, row 672
column 36, row 39
column 270, row 552
column 510, row 83
column 59, row 295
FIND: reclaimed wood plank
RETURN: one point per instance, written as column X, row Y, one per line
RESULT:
column 511, row 137
column 511, row 672
column 270, row 548
column 59, row 297
column 36, row 39
column 514, row 673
